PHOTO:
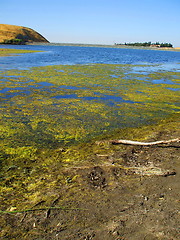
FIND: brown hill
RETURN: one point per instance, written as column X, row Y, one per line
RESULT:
column 8, row 32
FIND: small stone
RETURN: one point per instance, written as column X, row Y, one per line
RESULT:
column 161, row 197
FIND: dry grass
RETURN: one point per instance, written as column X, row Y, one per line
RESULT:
column 8, row 32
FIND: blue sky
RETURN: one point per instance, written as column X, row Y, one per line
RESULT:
column 97, row 21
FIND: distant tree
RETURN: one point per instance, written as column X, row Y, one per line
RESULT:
column 166, row 45
column 147, row 44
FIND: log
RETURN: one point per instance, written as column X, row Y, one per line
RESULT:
column 129, row 142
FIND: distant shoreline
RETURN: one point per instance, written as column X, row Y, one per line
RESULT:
column 105, row 46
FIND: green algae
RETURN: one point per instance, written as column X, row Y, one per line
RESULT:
column 7, row 52
column 51, row 116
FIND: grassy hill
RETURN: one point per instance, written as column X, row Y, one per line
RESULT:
column 9, row 32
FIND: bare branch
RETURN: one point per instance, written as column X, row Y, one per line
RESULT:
column 129, row 142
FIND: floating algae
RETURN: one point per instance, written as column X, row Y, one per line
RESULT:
column 63, row 104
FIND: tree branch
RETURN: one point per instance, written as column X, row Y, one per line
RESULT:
column 129, row 142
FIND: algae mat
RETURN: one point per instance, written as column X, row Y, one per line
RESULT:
column 50, row 107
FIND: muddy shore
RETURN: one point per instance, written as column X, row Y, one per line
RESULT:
column 110, row 197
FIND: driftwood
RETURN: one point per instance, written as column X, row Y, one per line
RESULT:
column 129, row 142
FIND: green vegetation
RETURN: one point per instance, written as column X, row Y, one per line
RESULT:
column 14, row 41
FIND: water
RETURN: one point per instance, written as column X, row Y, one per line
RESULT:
column 55, row 55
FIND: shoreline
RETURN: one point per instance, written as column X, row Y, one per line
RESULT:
column 177, row 49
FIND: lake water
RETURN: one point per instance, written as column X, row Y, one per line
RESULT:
column 55, row 55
